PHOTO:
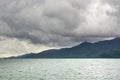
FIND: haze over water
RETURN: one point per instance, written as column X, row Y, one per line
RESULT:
column 60, row 69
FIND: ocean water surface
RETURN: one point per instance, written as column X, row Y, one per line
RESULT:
column 60, row 69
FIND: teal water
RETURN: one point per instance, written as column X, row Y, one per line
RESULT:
column 60, row 69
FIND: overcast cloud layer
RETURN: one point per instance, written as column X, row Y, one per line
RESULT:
column 55, row 23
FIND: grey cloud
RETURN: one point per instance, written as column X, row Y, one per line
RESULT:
column 59, row 22
column 116, row 4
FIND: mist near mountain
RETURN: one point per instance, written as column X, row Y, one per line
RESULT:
column 102, row 49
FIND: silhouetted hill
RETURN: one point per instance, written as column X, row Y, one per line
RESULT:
column 102, row 49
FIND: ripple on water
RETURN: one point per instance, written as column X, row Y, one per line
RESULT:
column 60, row 69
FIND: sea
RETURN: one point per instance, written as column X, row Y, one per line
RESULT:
column 60, row 69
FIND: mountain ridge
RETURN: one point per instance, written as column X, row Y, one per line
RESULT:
column 101, row 49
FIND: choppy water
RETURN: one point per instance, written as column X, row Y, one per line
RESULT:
column 60, row 69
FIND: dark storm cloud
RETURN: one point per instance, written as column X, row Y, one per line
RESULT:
column 59, row 22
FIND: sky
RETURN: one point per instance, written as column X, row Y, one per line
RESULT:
column 35, row 25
